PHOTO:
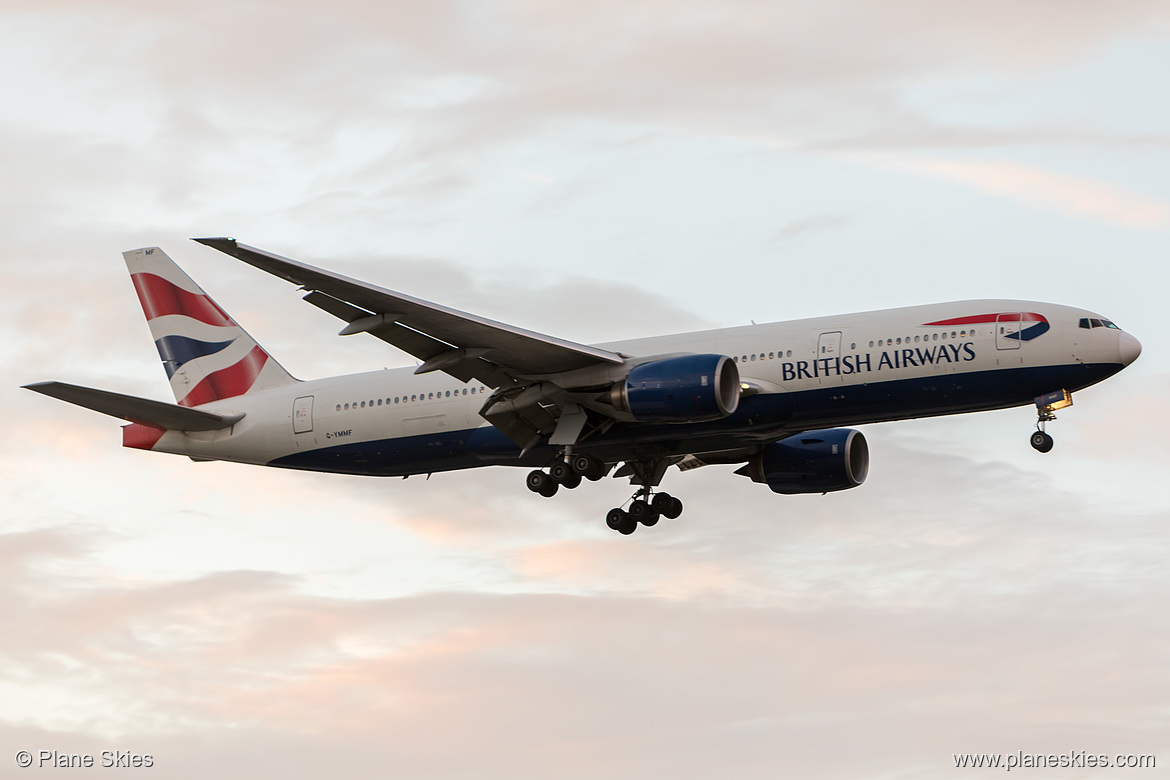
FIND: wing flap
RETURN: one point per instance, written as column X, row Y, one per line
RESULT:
column 156, row 414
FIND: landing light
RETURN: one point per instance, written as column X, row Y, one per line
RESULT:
column 1050, row 402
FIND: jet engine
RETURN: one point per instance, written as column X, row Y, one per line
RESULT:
column 812, row 462
column 684, row 389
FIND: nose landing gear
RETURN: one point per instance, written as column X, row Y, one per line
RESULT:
column 1046, row 406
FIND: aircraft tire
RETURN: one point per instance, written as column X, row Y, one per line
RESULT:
column 562, row 472
column 535, row 481
column 642, row 512
column 616, row 518
column 589, row 467
column 1041, row 441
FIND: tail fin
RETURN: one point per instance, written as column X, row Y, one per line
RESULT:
column 207, row 356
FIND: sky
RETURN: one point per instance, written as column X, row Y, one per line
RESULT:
column 594, row 171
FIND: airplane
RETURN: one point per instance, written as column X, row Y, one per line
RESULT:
column 774, row 397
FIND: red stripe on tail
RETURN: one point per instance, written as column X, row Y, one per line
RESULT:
column 229, row 382
column 141, row 437
column 160, row 298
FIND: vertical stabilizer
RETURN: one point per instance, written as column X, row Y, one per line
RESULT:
column 207, row 356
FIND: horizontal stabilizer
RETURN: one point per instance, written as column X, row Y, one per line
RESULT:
column 156, row 414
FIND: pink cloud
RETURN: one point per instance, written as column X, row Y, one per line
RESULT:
column 1073, row 196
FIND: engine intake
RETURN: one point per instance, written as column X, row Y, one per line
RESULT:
column 689, row 388
column 812, row 462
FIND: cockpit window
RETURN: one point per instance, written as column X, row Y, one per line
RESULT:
column 1087, row 322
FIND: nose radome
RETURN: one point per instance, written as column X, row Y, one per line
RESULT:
column 1128, row 347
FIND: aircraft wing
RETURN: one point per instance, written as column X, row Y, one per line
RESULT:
column 463, row 345
column 156, row 414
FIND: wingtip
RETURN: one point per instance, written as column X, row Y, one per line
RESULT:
column 216, row 241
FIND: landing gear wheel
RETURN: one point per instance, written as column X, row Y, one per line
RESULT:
column 588, row 466
column 539, row 482
column 642, row 512
column 560, row 471
column 668, row 505
column 1041, row 441
column 619, row 520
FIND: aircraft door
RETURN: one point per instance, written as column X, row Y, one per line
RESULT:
column 1007, row 330
column 829, row 345
column 303, row 414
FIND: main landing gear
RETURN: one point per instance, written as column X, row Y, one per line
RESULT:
column 646, row 507
column 644, row 510
column 565, row 473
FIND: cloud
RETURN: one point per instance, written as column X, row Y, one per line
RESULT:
column 214, row 668
column 1072, row 196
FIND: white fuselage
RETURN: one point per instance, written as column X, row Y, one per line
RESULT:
column 803, row 374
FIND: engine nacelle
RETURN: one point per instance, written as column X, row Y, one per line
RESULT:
column 812, row 462
column 688, row 388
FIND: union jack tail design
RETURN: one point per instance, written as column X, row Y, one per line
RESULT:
column 207, row 356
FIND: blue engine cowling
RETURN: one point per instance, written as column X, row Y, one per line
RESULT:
column 812, row 462
column 689, row 388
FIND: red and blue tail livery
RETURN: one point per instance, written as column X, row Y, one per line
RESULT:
column 207, row 356
column 774, row 399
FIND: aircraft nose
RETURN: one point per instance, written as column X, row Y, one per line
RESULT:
column 1129, row 348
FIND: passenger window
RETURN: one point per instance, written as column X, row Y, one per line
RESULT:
column 936, row 337
column 899, row 340
column 473, row 391
column 339, row 407
column 753, row 358
column 395, row 399
column 871, row 345
column 853, row 345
